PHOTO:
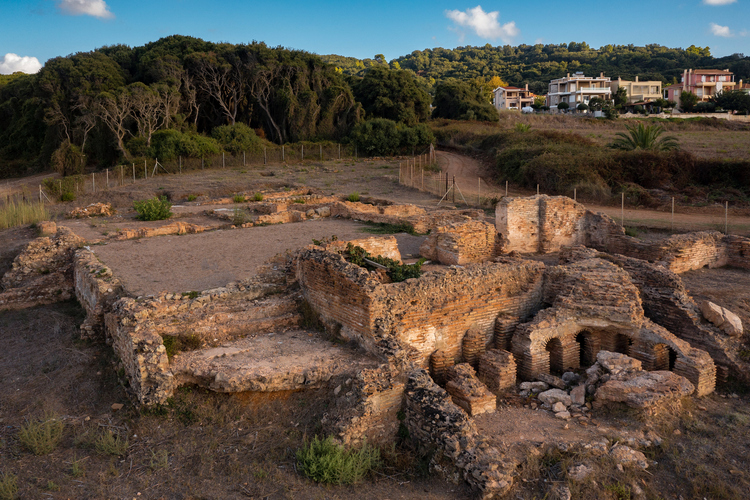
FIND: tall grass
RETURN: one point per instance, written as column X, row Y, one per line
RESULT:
column 14, row 214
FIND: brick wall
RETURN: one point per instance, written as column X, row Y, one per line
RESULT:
column 426, row 314
column 462, row 242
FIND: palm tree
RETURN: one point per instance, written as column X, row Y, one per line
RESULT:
column 648, row 137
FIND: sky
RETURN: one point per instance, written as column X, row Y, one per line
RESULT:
column 34, row 31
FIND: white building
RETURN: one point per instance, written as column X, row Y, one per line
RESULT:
column 578, row 89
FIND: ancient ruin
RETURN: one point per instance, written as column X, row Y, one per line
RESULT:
column 611, row 324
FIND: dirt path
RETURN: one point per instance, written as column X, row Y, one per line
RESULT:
column 468, row 171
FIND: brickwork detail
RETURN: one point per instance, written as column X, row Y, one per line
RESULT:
column 468, row 392
column 473, row 346
column 464, row 242
column 497, row 369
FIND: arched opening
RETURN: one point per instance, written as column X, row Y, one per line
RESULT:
column 661, row 357
column 589, row 346
column 622, row 344
column 672, row 358
column 555, row 350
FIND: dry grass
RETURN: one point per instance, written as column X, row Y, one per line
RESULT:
column 19, row 213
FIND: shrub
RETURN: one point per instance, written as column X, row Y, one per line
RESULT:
column 169, row 144
column 8, row 486
column 174, row 344
column 396, row 271
column 191, row 197
column 67, row 159
column 522, row 127
column 324, row 461
column 239, row 198
column 42, row 437
column 258, row 197
column 153, row 209
column 644, row 137
column 376, row 137
column 110, row 443
column 354, row 197
column 563, row 106
column 237, row 138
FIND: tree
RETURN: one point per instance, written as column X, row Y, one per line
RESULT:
column 220, row 80
column 539, row 101
column 582, row 107
column 460, row 101
column 563, row 106
column 644, row 137
column 688, row 100
column 394, row 95
column 734, row 100
column 620, row 97
column 596, row 103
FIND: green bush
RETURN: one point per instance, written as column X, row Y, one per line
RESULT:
column 354, row 197
column 8, row 486
column 324, row 461
column 67, row 159
column 238, row 198
column 42, row 437
column 382, row 137
column 153, row 209
column 237, row 138
column 258, row 197
column 169, row 144
column 396, row 271
column 110, row 443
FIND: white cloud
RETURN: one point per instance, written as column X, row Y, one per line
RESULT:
column 723, row 31
column 13, row 62
column 484, row 24
column 718, row 2
column 96, row 8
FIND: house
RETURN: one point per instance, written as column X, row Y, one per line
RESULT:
column 639, row 92
column 578, row 89
column 704, row 83
column 512, row 97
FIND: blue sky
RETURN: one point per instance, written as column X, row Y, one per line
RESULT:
column 36, row 30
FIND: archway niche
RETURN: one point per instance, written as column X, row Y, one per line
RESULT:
column 556, row 361
column 661, row 357
column 590, row 345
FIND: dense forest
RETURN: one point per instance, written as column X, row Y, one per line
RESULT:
column 185, row 96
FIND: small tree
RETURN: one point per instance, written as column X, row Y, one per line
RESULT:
column 688, row 100
column 644, row 137
column 596, row 103
column 620, row 97
column 582, row 107
column 563, row 106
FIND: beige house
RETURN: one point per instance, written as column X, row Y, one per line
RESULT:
column 578, row 89
column 512, row 97
column 639, row 92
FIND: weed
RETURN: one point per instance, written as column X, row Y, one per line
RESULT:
column 522, row 127
column 52, row 486
column 299, row 200
column 238, row 198
column 325, row 241
column 258, row 197
column 17, row 214
column 159, row 460
column 191, row 197
column 67, row 196
column 396, row 271
column 324, row 461
column 631, row 231
column 8, row 486
column 619, row 490
column 153, row 209
column 239, row 217
column 111, row 443
column 354, row 197
column 174, row 344
column 191, row 295
column 42, row 437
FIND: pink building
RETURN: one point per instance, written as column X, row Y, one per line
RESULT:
column 704, row 83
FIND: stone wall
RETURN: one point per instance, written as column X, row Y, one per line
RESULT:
column 41, row 273
column 539, row 224
column 384, row 246
column 426, row 314
column 462, row 242
column 96, row 290
column 418, row 218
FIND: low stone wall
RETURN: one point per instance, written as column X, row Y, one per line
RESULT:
column 42, row 272
column 96, row 290
column 383, row 246
column 435, row 422
column 172, row 228
column 432, row 312
column 418, row 218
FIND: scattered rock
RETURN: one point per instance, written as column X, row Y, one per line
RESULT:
column 551, row 380
column 534, row 387
column 615, row 363
column 580, row 472
column 553, row 396
column 578, row 395
column 643, row 389
column 116, row 406
column 563, row 415
column 558, row 407
column 570, row 378
column 626, row 456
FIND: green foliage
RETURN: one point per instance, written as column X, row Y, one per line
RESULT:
column 382, row 137
column 169, row 144
column 111, row 443
column 42, row 436
column 459, row 100
column 324, row 461
column 620, row 97
column 181, row 343
column 8, row 486
column 14, row 214
column 153, row 209
column 386, row 228
column 238, row 198
column 237, row 138
column 353, row 197
column 67, row 159
column 191, row 197
column 563, row 106
column 522, row 127
column 644, row 137
column 258, row 197
column 688, row 100
column 733, row 100
column 582, row 107
column 392, row 94
column 396, row 271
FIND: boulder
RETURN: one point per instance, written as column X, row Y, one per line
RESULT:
column 722, row 318
column 553, row 396
column 551, row 380
column 534, row 387
column 624, row 455
column 578, row 395
column 643, row 389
